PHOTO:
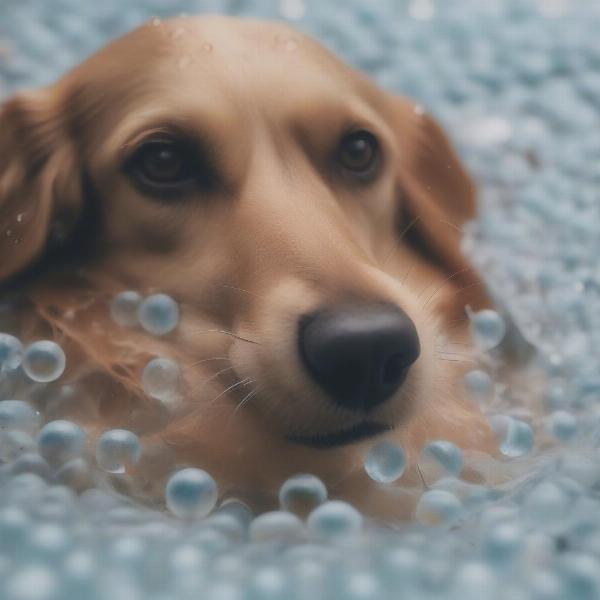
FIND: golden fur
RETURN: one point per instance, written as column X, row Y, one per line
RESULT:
column 280, row 236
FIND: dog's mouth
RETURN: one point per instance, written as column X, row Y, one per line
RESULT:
column 344, row 437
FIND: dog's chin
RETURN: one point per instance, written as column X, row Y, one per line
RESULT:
column 341, row 437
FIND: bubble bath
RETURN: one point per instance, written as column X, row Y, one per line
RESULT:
column 517, row 84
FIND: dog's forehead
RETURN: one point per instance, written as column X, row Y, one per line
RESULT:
column 233, row 56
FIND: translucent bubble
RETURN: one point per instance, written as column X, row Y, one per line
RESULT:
column 503, row 544
column 516, row 437
column 60, row 441
column 487, row 328
column 44, row 361
column 438, row 507
column 124, row 308
column 31, row 462
column 385, row 462
column 18, row 415
column 479, row 385
column 161, row 378
column 33, row 582
column 562, row 425
column 441, row 458
column 14, row 444
column 158, row 314
column 75, row 473
column 334, row 520
column 546, row 505
column 117, row 449
column 302, row 493
column 277, row 526
column 11, row 352
column 191, row 493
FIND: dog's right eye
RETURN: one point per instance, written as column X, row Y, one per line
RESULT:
column 163, row 168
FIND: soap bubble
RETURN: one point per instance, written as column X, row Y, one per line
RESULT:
column 44, row 361
column 117, row 449
column 277, row 526
column 11, row 352
column 18, row 415
column 334, row 520
column 33, row 582
column 440, row 458
column 385, row 462
column 438, row 507
column 516, row 437
column 59, row 441
column 161, row 378
column 191, row 493
column 503, row 543
column 124, row 308
column 479, row 385
column 302, row 493
column 487, row 328
column 158, row 314
column 562, row 425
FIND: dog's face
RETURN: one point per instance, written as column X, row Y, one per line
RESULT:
column 275, row 193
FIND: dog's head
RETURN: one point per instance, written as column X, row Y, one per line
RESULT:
column 274, row 192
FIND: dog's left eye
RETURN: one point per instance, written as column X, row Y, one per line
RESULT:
column 162, row 167
column 359, row 153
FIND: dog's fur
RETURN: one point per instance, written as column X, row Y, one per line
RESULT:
column 281, row 234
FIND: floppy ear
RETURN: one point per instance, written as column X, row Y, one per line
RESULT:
column 39, row 180
column 438, row 197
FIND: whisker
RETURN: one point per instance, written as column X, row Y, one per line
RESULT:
column 238, row 289
column 399, row 239
column 195, row 364
column 212, row 378
column 244, row 381
column 223, row 331
column 441, row 286
column 246, row 399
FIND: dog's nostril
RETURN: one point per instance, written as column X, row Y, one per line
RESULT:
column 359, row 354
column 393, row 369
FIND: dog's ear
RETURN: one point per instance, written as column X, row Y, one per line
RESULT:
column 39, row 179
column 437, row 198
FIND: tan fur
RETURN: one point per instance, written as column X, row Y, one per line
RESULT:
column 281, row 237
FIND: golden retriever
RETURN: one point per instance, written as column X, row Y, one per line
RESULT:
column 307, row 223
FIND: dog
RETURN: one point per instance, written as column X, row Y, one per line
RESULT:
column 308, row 225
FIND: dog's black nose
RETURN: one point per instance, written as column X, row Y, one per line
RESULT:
column 359, row 354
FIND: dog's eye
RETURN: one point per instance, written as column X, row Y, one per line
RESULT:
column 359, row 153
column 162, row 167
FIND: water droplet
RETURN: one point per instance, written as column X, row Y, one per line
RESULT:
column 385, row 462
column 117, row 449
column 44, row 361
column 191, row 493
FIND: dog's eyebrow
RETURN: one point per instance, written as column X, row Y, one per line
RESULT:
column 179, row 129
